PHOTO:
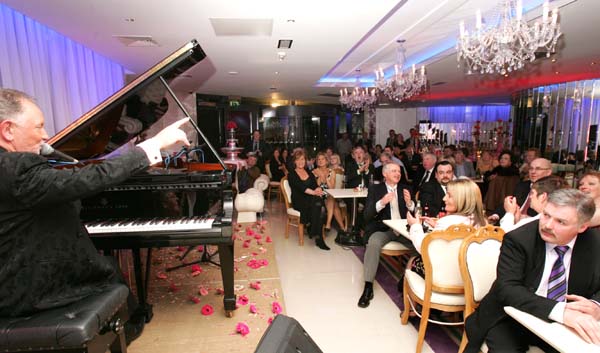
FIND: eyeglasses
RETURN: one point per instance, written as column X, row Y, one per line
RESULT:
column 537, row 169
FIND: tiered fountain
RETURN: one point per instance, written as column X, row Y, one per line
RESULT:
column 231, row 149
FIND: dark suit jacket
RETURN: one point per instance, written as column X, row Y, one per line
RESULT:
column 519, row 271
column 431, row 196
column 373, row 219
column 47, row 259
column 353, row 179
column 265, row 152
column 411, row 163
column 418, row 175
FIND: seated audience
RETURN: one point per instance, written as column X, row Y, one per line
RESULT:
column 549, row 269
column 248, row 174
column 505, row 167
column 277, row 165
column 530, row 155
column 514, row 217
column 335, row 163
column 589, row 184
column 463, row 206
column 485, row 163
column 358, row 169
column 425, row 171
column 462, row 166
column 47, row 259
column 307, row 198
column 326, row 180
column 387, row 200
column 432, row 193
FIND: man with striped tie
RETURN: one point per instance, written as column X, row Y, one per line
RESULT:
column 548, row 268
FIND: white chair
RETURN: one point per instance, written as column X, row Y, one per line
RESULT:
column 443, row 287
column 273, row 185
column 478, row 259
column 293, row 216
column 247, row 204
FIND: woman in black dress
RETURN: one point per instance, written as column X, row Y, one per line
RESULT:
column 277, row 165
column 307, row 198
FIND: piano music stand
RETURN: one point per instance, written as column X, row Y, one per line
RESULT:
column 206, row 257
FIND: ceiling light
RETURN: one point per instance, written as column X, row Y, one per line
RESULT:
column 556, row 72
column 359, row 98
column 401, row 85
column 281, row 55
column 284, row 44
column 276, row 72
column 554, row 60
column 291, row 20
column 233, row 72
column 593, row 63
column 130, row 20
column 510, row 42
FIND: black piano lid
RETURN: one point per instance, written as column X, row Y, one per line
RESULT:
column 103, row 129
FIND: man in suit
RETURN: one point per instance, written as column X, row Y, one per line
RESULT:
column 425, row 171
column 411, row 161
column 387, row 200
column 47, row 258
column 260, row 148
column 463, row 167
column 248, row 174
column 538, row 168
column 384, row 159
column 391, row 138
column 542, row 265
column 358, row 170
column 433, row 192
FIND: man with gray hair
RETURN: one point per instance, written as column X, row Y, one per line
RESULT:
column 387, row 200
column 542, row 265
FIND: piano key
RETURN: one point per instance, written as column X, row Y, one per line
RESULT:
column 167, row 224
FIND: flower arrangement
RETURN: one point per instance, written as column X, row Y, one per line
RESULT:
column 231, row 125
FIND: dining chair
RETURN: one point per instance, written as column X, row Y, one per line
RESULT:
column 273, row 185
column 293, row 215
column 478, row 258
column 443, row 287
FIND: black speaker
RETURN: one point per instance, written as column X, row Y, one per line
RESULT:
column 285, row 335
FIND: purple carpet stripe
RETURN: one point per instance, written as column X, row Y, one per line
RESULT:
column 441, row 339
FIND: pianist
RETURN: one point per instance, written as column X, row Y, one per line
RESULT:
column 46, row 258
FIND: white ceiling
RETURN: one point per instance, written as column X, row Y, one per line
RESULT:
column 331, row 40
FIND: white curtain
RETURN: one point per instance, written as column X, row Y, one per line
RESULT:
column 66, row 78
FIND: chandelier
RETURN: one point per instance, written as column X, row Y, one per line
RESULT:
column 510, row 43
column 358, row 98
column 402, row 85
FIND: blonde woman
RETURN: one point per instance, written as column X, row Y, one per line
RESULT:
column 589, row 184
column 463, row 206
column 485, row 163
column 326, row 180
column 335, row 163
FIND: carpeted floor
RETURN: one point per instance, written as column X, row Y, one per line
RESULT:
column 180, row 296
column 442, row 339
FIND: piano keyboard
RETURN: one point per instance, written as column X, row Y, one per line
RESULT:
column 153, row 225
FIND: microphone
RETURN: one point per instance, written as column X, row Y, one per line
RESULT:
column 47, row 150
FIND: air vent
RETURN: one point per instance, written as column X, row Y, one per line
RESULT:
column 242, row 26
column 284, row 44
column 334, row 95
column 136, row 41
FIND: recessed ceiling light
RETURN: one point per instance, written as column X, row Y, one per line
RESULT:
column 593, row 63
column 131, row 19
column 273, row 88
column 276, row 72
column 553, row 60
column 233, row 72
column 556, row 72
column 291, row 20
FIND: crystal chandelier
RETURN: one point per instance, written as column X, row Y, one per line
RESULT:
column 402, row 85
column 359, row 98
column 506, row 46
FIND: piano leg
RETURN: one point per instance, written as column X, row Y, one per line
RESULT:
column 141, row 283
column 226, row 257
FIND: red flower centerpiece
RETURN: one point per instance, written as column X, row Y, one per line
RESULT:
column 231, row 125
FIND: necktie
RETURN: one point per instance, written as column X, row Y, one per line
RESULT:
column 557, row 283
column 425, row 177
column 394, row 208
column 255, row 146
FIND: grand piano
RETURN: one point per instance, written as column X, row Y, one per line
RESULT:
column 183, row 202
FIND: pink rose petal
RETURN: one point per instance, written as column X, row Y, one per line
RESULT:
column 255, row 285
column 270, row 320
column 276, row 308
column 242, row 329
column 194, row 299
column 253, row 309
column 207, row 310
column 161, row 275
column 219, row 291
column 173, row 287
column 203, row 291
column 243, row 299
column 196, row 268
column 268, row 239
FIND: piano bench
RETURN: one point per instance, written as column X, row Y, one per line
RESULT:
column 94, row 324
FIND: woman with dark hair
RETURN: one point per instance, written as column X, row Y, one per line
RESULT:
column 277, row 165
column 307, row 198
column 505, row 168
